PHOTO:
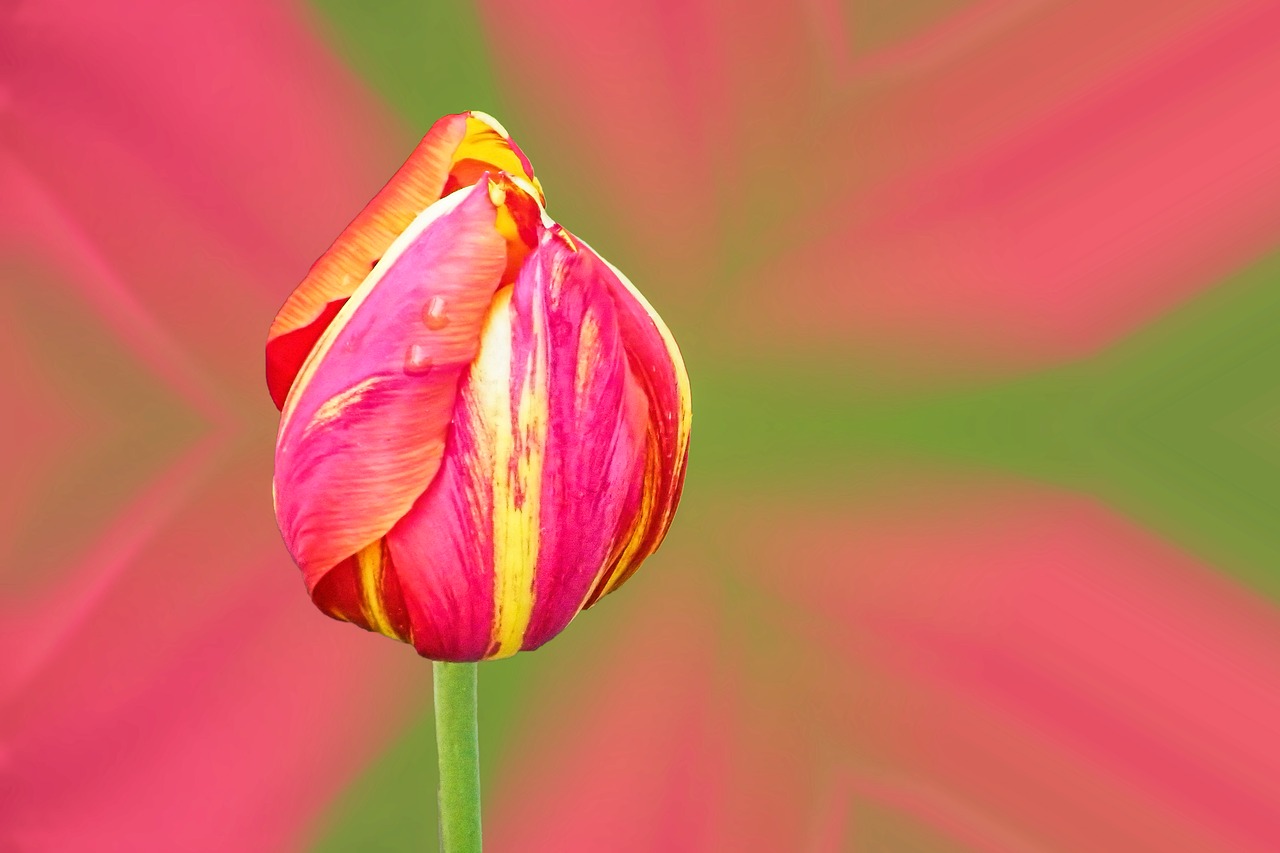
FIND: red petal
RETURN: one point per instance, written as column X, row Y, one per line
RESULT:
column 364, row 589
column 658, row 367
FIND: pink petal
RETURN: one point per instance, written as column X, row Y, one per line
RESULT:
column 364, row 427
column 344, row 265
column 456, row 152
column 596, row 439
column 546, row 450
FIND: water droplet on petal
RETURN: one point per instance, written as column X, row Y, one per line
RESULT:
column 433, row 314
column 417, row 360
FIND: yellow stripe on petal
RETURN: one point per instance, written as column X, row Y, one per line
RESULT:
column 516, row 444
column 488, row 147
column 588, row 350
column 333, row 408
column 370, row 567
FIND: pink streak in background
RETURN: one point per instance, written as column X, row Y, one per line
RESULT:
column 665, row 57
column 635, row 744
column 1073, row 220
column 977, row 195
column 166, row 685
column 203, row 126
column 1041, row 661
column 991, row 667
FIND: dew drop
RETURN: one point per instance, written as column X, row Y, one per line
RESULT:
column 433, row 314
column 417, row 360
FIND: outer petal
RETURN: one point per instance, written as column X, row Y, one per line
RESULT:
column 549, row 434
column 345, row 264
column 455, row 152
column 364, row 427
column 658, row 367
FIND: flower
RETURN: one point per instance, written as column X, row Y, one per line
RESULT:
column 484, row 426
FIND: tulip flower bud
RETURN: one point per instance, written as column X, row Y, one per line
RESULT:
column 484, row 426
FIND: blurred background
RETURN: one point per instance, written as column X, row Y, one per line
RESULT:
column 979, row 548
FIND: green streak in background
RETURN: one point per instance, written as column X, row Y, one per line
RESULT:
column 1177, row 426
column 426, row 58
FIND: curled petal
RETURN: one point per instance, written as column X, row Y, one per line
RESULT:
column 549, row 435
column 340, row 270
column 363, row 428
column 658, row 368
column 455, row 153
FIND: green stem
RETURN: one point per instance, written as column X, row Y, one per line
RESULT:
column 458, row 746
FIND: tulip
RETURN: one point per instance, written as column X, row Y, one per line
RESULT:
column 484, row 426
